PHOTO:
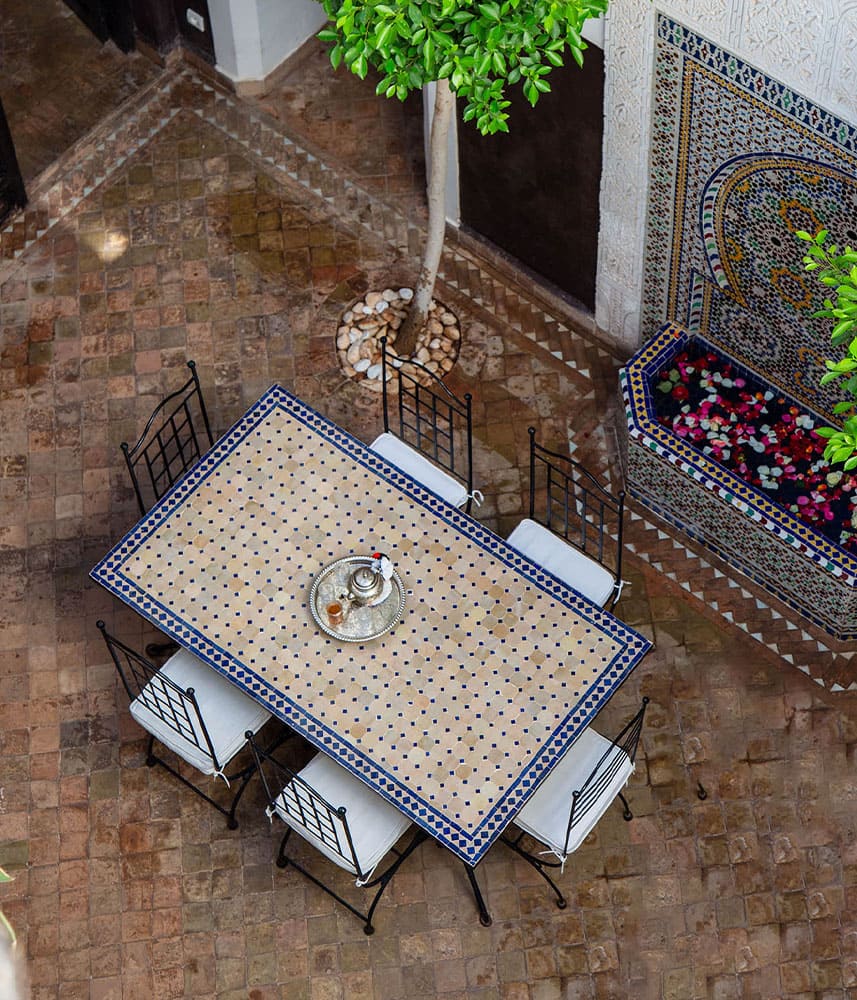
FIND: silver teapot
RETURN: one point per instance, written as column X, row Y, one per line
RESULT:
column 367, row 582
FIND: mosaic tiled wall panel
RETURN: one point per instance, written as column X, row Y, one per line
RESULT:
column 734, row 520
column 739, row 162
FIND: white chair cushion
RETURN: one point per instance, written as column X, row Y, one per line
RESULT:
column 421, row 468
column 578, row 570
column 227, row 711
column 545, row 816
column 375, row 825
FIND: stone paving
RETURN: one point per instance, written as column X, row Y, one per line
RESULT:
column 197, row 225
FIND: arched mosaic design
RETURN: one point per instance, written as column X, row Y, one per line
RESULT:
column 739, row 162
column 755, row 298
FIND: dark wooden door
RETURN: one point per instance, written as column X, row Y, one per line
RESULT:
column 91, row 12
column 107, row 19
column 12, row 193
column 534, row 191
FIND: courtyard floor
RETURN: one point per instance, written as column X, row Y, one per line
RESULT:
column 193, row 224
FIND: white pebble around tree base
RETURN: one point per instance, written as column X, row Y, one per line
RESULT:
column 380, row 314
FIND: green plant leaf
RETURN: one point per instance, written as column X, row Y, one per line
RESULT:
column 842, row 453
column 491, row 11
column 843, row 327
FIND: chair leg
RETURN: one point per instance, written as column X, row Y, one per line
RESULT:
column 381, row 881
column 246, row 775
column 151, row 759
column 387, row 876
column 231, row 821
column 367, row 927
column 282, row 857
column 194, row 788
column 627, row 815
column 484, row 915
column 539, row 866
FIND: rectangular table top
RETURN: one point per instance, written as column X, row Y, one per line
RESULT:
column 456, row 714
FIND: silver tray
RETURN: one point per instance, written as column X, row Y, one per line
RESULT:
column 362, row 622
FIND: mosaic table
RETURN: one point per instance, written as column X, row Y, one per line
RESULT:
column 454, row 716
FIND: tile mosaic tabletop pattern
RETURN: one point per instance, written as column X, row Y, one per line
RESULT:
column 458, row 712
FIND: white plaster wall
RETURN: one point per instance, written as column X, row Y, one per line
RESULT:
column 284, row 25
column 810, row 45
column 252, row 37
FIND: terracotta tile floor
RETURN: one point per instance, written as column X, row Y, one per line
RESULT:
column 338, row 116
column 197, row 226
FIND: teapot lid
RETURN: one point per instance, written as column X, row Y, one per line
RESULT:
column 366, row 582
column 364, row 576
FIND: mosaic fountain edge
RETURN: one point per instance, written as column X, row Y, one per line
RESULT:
column 730, row 518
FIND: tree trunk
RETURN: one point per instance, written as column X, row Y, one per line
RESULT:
column 444, row 106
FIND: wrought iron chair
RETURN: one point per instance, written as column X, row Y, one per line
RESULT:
column 429, row 420
column 575, row 795
column 195, row 712
column 356, row 834
column 176, row 435
column 574, row 507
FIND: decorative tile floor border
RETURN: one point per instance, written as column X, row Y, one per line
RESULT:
column 98, row 157
column 746, row 610
column 264, row 138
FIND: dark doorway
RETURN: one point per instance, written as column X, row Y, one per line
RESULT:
column 534, row 192
column 58, row 81
column 107, row 19
column 12, row 193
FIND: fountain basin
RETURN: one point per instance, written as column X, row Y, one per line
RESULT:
column 734, row 519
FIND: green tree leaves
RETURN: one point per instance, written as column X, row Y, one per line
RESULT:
column 480, row 47
column 838, row 271
column 4, row 921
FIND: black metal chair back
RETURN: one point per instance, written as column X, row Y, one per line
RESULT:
column 587, row 802
column 429, row 416
column 574, row 505
column 175, row 707
column 622, row 748
column 301, row 807
column 294, row 799
column 178, row 720
column 177, row 434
